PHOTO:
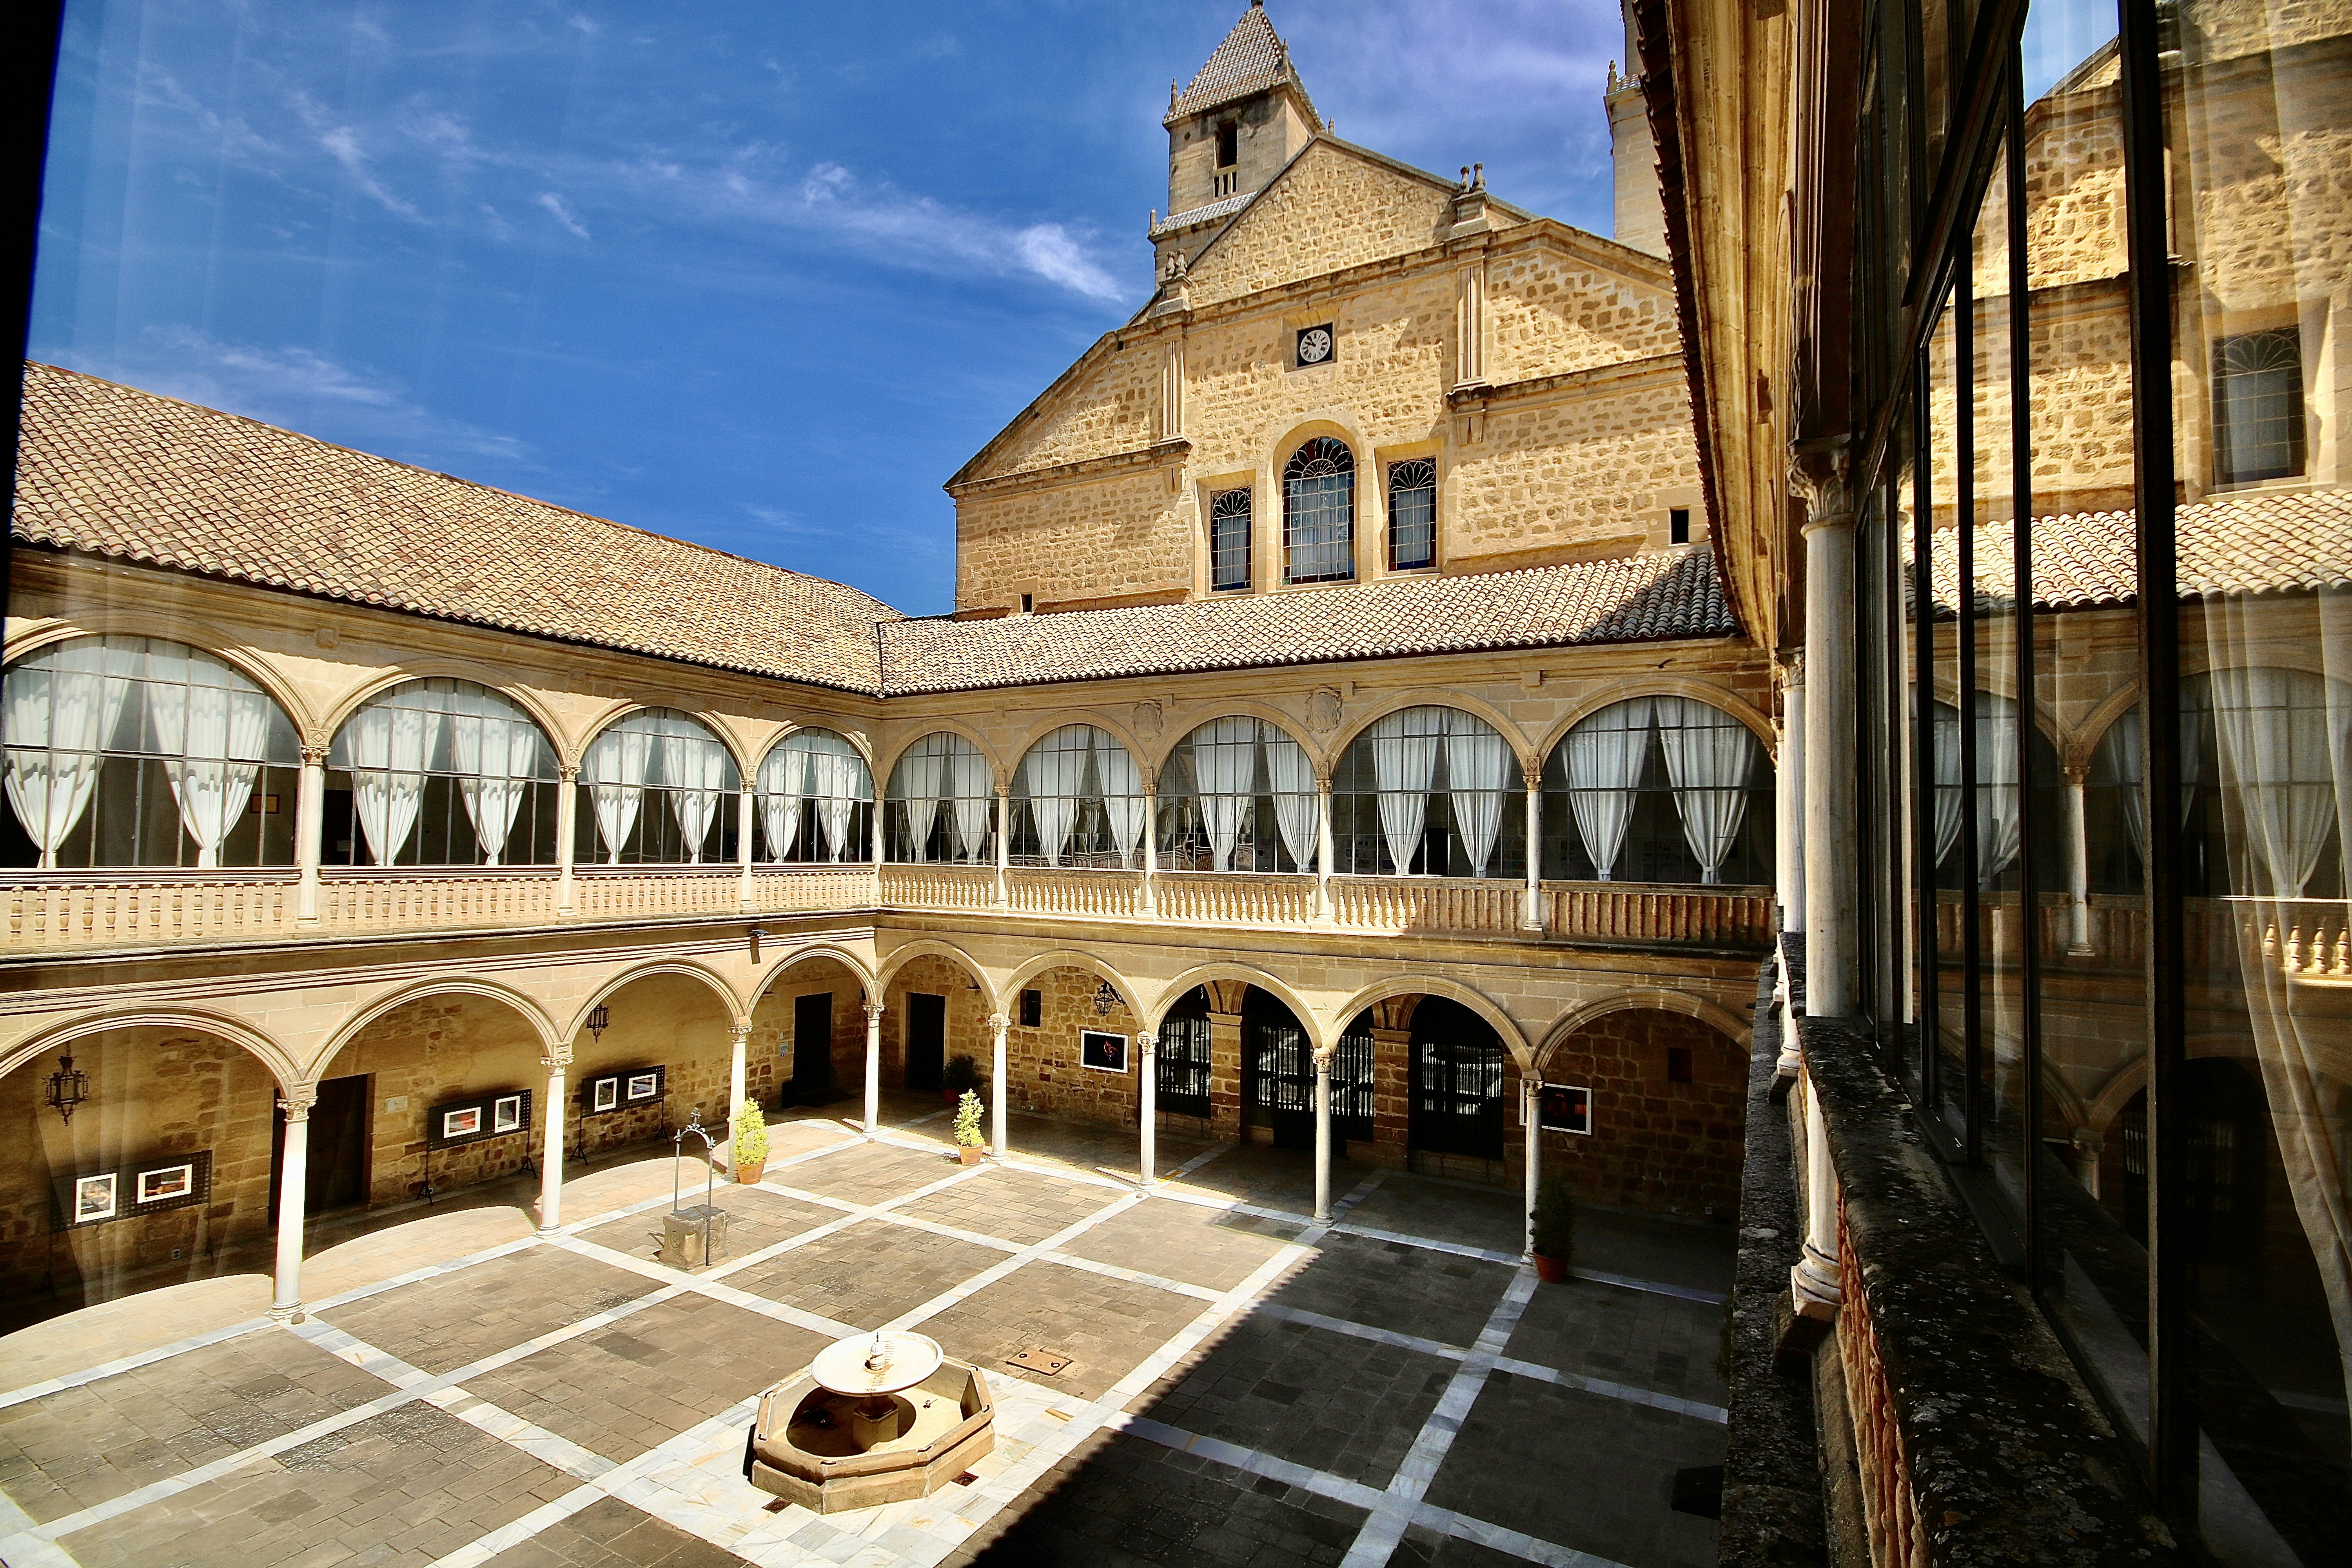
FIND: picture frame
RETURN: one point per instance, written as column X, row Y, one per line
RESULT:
column 463, row 1121
column 606, row 1094
column 643, row 1086
column 1564, row 1108
column 506, row 1113
column 1102, row 1051
column 94, row 1197
column 163, row 1182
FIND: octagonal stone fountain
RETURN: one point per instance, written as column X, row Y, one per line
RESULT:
column 876, row 1418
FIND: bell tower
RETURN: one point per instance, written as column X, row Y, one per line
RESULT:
column 1244, row 115
column 1641, row 207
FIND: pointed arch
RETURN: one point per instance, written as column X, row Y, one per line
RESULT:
column 868, row 986
column 1735, row 1030
column 60, row 1037
column 369, row 1011
column 1505, row 1027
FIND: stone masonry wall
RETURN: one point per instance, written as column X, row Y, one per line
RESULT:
column 1547, row 313
column 1332, row 209
column 1571, row 470
column 1119, row 534
column 1041, row 1065
column 1654, row 1144
column 967, row 1014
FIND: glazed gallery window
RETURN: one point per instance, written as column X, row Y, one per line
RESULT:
column 1238, row 794
column 1229, row 540
column 1319, row 514
column 1077, row 800
column 1413, row 514
column 1995, row 840
column 657, row 789
column 439, row 773
column 941, row 805
column 1428, row 792
column 815, row 800
column 2258, row 426
column 1658, row 789
column 130, row 751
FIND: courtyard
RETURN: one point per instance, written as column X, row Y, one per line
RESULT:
column 1243, row 1385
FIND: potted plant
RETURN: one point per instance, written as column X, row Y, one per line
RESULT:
column 970, row 1147
column 1554, row 1218
column 750, row 1143
column 960, row 1076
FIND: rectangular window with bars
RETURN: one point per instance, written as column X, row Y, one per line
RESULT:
column 1229, row 540
column 1413, row 514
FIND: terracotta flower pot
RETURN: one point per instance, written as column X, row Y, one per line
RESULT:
column 1552, row 1271
column 748, row 1172
column 971, row 1153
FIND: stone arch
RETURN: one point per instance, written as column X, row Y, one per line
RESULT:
column 1180, row 731
column 164, row 626
column 1998, row 682
column 2083, row 740
column 2102, row 1110
column 1647, row 999
column 736, row 1012
column 1117, row 729
column 1202, row 974
column 432, row 669
column 1477, row 708
column 858, row 743
column 867, row 982
column 902, row 956
column 613, row 713
column 1723, row 698
column 886, row 764
column 368, row 1013
column 1506, row 1028
column 1070, row 958
column 60, row 1037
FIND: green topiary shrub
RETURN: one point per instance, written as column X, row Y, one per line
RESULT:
column 960, row 1075
column 967, row 1121
column 1555, row 1218
column 751, row 1133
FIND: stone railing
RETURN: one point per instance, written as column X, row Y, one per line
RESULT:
column 1625, row 912
column 938, row 886
column 2308, row 939
column 140, row 909
column 372, row 902
column 1072, row 893
column 1402, row 904
column 1232, row 898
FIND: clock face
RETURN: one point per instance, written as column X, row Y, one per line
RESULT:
column 1313, row 345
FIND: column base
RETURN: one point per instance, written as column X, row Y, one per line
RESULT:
column 297, row 1313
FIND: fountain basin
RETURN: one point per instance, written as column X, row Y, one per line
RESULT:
column 831, row 1452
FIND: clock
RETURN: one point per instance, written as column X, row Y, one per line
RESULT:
column 1313, row 345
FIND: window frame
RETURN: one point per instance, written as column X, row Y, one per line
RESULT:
column 1428, row 561
column 1341, row 548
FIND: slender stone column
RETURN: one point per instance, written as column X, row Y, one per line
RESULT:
column 1323, row 910
column 1146, row 1046
column 1531, row 1124
column 740, row 1036
column 550, row 1157
column 1531, row 918
column 1323, row 1132
column 1814, row 1277
column 997, row 1026
column 293, row 1195
column 1003, row 837
column 2078, row 863
column 567, row 816
column 872, row 1069
column 1151, row 848
column 744, row 844
column 1789, row 800
column 1833, row 951
column 309, row 815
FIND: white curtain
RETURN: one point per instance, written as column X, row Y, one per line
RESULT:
column 1949, row 794
column 2121, row 744
column 694, row 767
column 1606, row 753
column 1405, row 760
column 1297, row 803
column 1477, row 763
column 1998, row 738
column 1054, row 776
column 2272, row 728
column 1122, row 796
column 496, row 751
column 207, row 729
column 838, row 781
column 60, row 708
column 1225, row 769
column 967, row 777
column 918, row 783
column 784, row 780
column 615, row 775
column 1710, row 758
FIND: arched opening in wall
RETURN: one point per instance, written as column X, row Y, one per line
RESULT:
column 1079, row 1061
column 1277, row 1078
column 808, row 1036
column 665, row 1058
column 1658, row 789
column 1186, row 1059
column 1459, row 1066
column 162, row 1175
column 437, row 1096
column 933, row 1012
column 1664, row 1100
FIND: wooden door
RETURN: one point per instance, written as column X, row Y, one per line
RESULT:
column 813, row 1047
column 927, row 1040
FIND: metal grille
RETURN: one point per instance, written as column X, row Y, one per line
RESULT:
column 1457, row 1097
column 1413, row 514
column 1319, row 514
column 1184, row 1066
column 1229, row 540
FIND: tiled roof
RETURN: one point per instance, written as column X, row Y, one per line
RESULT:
column 1251, row 60
column 2236, row 544
column 1224, row 207
column 1661, row 594
column 123, row 473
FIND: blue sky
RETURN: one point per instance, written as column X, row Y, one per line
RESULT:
column 757, row 275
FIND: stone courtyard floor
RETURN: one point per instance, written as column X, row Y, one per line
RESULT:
column 1244, row 1387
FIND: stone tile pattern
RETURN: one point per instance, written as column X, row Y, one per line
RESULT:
column 866, row 1275
column 1105, row 1326
column 609, row 1533
column 756, row 1220
column 453, row 1319
column 1177, row 1241
column 1405, row 1289
column 1013, row 1206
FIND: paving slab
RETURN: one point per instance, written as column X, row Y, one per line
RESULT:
column 1425, row 1548
column 1013, row 1205
column 1661, row 1343
column 867, row 1173
column 1406, row 1289
column 1105, row 1326
column 444, row 1322
column 756, row 1220
column 867, row 1274
column 609, row 1533
column 1448, row 1211
column 1210, row 1247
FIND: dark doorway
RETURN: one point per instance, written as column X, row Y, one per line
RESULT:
column 1183, row 1052
column 927, row 1040
column 1457, row 1082
column 337, row 1150
column 813, row 1048
column 1279, row 1087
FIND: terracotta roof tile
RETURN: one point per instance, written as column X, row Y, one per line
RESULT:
column 1251, row 60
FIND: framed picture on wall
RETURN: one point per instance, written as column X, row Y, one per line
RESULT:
column 1103, row 1052
column 163, row 1183
column 462, row 1123
column 93, row 1198
column 506, row 1113
column 605, row 1094
column 1563, row 1107
column 644, row 1085
column 498, row 1112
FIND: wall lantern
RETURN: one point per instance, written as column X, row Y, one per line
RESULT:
column 599, row 1017
column 757, row 932
column 1105, row 999
column 68, row 1087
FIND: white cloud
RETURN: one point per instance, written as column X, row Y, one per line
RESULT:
column 553, row 204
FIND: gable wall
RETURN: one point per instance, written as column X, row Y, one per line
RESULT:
column 1549, row 313
column 1112, row 410
column 1332, row 210
column 1574, row 472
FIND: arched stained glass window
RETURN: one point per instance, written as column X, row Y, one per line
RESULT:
column 439, row 773
column 675, row 757
column 815, row 800
column 1319, row 514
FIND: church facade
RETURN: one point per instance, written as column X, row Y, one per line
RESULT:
column 1342, row 729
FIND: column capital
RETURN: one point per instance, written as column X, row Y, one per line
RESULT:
column 296, row 1101
column 874, row 1010
column 2077, row 773
column 1531, row 776
column 999, row 1022
column 569, row 773
column 740, row 1030
column 1821, row 474
column 1324, row 1056
column 314, row 753
column 558, row 1061
column 1146, row 1041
